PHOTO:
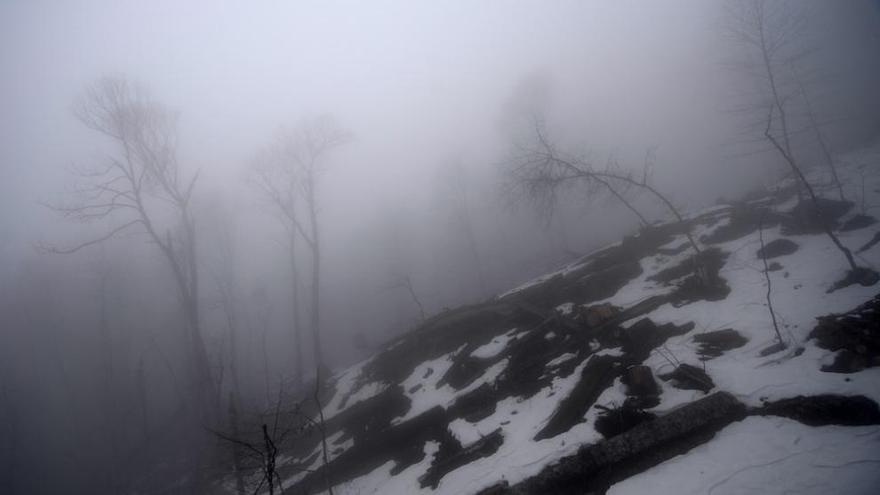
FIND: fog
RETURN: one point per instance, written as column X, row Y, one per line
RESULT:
column 412, row 207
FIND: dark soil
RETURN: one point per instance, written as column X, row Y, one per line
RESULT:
column 865, row 277
column 688, row 377
column 639, row 381
column 596, row 467
column 596, row 376
column 714, row 344
column 855, row 335
column 776, row 248
column 858, row 222
column 806, row 218
column 612, row 422
column 868, row 245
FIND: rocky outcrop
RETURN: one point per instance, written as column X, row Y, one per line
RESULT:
column 595, row 467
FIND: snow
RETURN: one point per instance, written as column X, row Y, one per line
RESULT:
column 429, row 395
column 756, row 455
column 495, row 346
column 568, row 356
column 345, row 382
column 769, row 455
column 380, row 480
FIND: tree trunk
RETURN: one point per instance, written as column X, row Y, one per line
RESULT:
column 296, row 322
column 316, row 270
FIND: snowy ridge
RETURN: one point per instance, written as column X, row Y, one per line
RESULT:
column 493, row 394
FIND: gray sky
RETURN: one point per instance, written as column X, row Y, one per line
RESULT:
column 418, row 83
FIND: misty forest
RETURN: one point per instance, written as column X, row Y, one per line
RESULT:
column 452, row 247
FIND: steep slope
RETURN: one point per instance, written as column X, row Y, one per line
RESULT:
column 626, row 372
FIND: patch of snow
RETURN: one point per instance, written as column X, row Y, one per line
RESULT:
column 380, row 481
column 568, row 356
column 565, row 308
column 429, row 395
column 493, row 347
column 611, row 351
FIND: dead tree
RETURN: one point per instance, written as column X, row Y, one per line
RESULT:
column 771, row 31
column 289, row 179
column 258, row 450
column 789, row 159
column 405, row 282
column 141, row 188
column 769, row 34
column 540, row 172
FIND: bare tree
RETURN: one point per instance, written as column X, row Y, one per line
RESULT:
column 770, row 30
column 141, row 188
column 288, row 175
column 820, row 139
column 540, row 172
column 404, row 281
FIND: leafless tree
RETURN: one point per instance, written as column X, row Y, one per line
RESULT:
column 288, row 175
column 140, row 188
column 404, row 281
column 770, row 31
column 540, row 172
column 776, row 56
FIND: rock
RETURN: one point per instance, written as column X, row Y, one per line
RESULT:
column 776, row 248
column 688, row 377
column 596, row 376
column 713, row 344
column 597, row 314
column 639, row 381
column 596, row 467
column 821, row 410
column 614, row 421
column 644, row 336
column 441, row 466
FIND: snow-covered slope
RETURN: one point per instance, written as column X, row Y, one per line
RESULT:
column 526, row 390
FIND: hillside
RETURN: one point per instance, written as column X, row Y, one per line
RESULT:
column 624, row 372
